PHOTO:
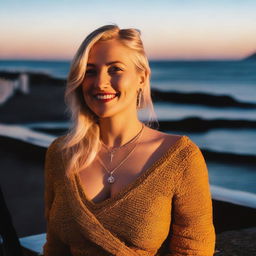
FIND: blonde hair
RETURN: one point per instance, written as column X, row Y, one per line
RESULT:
column 82, row 142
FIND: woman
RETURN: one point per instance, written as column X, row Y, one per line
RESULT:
column 113, row 185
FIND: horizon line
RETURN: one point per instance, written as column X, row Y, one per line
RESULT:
column 149, row 59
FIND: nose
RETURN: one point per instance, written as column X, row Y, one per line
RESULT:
column 102, row 79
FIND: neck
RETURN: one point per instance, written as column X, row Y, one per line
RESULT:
column 115, row 133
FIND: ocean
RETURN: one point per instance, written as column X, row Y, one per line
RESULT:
column 235, row 81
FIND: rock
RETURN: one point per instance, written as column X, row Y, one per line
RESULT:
column 251, row 57
column 236, row 243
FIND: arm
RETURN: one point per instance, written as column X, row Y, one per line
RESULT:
column 53, row 246
column 192, row 231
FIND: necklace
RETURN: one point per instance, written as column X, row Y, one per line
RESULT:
column 111, row 178
column 115, row 149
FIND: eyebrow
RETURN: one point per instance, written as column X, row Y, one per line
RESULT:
column 108, row 64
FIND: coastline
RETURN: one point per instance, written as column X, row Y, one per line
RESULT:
column 44, row 107
column 47, row 98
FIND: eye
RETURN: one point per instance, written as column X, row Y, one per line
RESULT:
column 90, row 72
column 115, row 69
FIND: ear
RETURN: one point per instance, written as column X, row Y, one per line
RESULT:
column 142, row 78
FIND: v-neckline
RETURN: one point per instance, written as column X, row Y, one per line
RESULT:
column 128, row 188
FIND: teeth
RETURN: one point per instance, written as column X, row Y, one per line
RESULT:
column 102, row 97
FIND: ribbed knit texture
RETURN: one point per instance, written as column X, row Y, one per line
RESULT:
column 166, row 211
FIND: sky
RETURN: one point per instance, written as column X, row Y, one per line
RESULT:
column 171, row 29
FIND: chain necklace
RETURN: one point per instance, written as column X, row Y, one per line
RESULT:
column 111, row 178
column 114, row 149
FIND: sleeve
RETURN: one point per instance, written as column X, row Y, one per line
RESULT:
column 192, row 231
column 53, row 246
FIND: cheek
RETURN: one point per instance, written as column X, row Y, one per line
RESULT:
column 125, row 82
column 86, row 88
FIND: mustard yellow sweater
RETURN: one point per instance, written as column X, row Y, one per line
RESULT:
column 166, row 211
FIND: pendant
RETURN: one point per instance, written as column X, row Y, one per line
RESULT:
column 111, row 156
column 111, row 179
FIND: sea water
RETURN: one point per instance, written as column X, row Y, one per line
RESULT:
column 236, row 79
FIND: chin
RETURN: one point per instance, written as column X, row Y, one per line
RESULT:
column 113, row 112
column 102, row 114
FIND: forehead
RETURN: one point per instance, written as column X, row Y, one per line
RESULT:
column 110, row 50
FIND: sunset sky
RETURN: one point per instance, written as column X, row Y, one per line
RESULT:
column 178, row 29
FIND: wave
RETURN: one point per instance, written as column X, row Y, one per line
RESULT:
column 198, row 98
column 196, row 124
column 176, row 111
column 43, row 140
column 223, row 141
column 26, row 135
column 234, row 141
column 233, row 196
column 191, row 124
column 27, row 138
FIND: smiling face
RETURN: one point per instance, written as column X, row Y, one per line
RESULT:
column 112, row 80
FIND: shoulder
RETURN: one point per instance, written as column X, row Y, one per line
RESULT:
column 189, row 145
column 55, row 145
column 186, row 148
column 170, row 139
column 186, row 154
column 165, row 137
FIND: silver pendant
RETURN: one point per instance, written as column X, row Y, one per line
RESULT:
column 111, row 156
column 111, row 179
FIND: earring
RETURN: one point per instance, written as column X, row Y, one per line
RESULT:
column 139, row 95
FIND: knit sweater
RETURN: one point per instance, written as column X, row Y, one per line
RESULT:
column 166, row 211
